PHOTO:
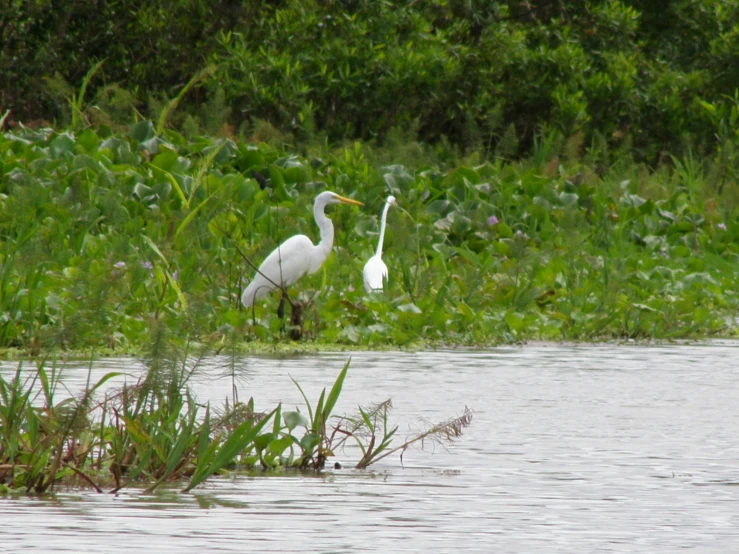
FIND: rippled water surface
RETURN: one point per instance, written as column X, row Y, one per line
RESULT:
column 571, row 449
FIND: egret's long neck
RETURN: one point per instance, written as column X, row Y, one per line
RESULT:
column 382, row 229
column 327, row 232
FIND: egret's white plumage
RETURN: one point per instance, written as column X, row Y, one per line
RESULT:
column 375, row 270
column 297, row 255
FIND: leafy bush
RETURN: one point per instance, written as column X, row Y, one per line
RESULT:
column 625, row 75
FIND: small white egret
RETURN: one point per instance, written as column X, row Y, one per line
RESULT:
column 375, row 270
column 297, row 255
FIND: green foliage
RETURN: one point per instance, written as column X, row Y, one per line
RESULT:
column 464, row 76
column 316, row 444
column 155, row 432
column 107, row 236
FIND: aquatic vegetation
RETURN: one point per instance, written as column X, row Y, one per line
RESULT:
column 364, row 429
column 156, row 432
column 106, row 235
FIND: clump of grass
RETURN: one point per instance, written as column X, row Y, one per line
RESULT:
column 155, row 431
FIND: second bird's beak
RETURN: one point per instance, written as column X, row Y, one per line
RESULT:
column 349, row 200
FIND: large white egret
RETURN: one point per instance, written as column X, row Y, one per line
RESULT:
column 375, row 270
column 297, row 255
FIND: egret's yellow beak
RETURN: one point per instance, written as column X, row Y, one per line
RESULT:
column 349, row 200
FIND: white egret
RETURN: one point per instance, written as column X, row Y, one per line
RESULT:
column 375, row 270
column 297, row 255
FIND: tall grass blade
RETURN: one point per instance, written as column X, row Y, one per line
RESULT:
column 78, row 102
column 319, row 421
column 333, row 396
column 177, row 187
column 155, row 248
column 238, row 441
column 203, row 169
column 191, row 216
column 172, row 104
column 176, row 457
column 307, row 402
column 177, row 289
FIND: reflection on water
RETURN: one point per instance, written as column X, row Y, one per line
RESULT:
column 571, row 448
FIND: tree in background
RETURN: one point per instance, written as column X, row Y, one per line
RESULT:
column 476, row 75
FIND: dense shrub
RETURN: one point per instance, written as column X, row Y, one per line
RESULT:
column 482, row 76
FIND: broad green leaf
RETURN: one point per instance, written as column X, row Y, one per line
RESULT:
column 310, row 441
column 263, row 440
column 279, row 445
column 295, row 419
column 514, row 320
column 142, row 131
column 62, row 144
column 568, row 199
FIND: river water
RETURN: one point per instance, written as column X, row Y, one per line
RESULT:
column 617, row 448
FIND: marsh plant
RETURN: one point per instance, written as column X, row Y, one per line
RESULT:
column 106, row 235
column 155, row 432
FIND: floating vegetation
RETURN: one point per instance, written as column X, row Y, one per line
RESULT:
column 155, row 432
column 105, row 235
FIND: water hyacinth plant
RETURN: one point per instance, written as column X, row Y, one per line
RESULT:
column 105, row 234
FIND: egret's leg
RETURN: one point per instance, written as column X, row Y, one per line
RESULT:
column 296, row 321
